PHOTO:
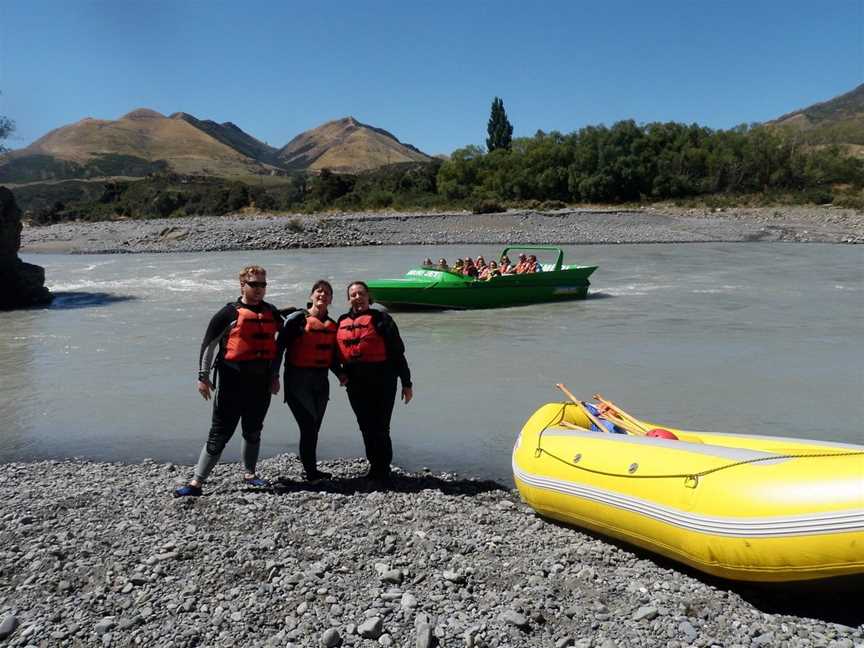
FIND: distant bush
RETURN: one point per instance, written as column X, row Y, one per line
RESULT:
column 487, row 207
column 849, row 199
column 553, row 204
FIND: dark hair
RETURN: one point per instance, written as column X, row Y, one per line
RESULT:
column 321, row 283
column 359, row 283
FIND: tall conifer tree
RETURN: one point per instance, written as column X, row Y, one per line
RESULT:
column 500, row 129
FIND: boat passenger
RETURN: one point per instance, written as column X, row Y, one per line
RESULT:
column 490, row 271
column 307, row 339
column 458, row 267
column 442, row 264
column 533, row 264
column 373, row 356
column 238, row 347
column 505, row 266
column 470, row 269
column 427, row 263
column 522, row 266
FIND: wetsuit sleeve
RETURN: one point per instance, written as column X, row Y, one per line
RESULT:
column 336, row 365
column 218, row 328
column 291, row 329
column 395, row 347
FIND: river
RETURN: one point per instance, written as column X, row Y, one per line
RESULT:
column 743, row 337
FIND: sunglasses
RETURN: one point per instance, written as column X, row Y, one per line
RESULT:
column 256, row 284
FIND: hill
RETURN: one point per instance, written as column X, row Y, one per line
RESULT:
column 837, row 121
column 140, row 142
column 144, row 142
column 347, row 146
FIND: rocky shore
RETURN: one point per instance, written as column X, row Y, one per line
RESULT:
column 566, row 226
column 97, row 553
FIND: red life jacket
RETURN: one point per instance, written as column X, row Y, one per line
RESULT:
column 359, row 341
column 253, row 336
column 315, row 346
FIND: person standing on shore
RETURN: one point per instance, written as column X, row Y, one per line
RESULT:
column 308, row 342
column 240, row 343
column 373, row 355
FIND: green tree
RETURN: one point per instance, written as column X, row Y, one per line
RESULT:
column 499, row 128
column 6, row 127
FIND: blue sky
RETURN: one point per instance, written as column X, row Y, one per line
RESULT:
column 425, row 71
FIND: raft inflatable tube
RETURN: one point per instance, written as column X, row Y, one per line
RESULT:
column 738, row 506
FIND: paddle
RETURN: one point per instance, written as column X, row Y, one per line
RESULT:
column 582, row 406
column 638, row 428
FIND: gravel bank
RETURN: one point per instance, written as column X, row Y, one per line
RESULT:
column 568, row 226
column 96, row 553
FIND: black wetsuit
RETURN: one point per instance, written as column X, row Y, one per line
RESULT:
column 307, row 389
column 372, row 393
column 242, row 388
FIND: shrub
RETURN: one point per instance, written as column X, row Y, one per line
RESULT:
column 553, row 204
column 487, row 207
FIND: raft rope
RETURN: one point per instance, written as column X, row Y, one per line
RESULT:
column 689, row 477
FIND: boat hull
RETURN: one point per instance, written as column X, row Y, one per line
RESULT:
column 734, row 506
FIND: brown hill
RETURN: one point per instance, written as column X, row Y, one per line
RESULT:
column 181, row 142
column 837, row 121
column 232, row 135
column 347, row 146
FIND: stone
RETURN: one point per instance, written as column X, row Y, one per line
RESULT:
column 512, row 617
column 331, row 638
column 425, row 636
column 392, row 576
column 104, row 625
column 8, row 625
column 23, row 283
column 453, row 576
column 371, row 628
column 646, row 612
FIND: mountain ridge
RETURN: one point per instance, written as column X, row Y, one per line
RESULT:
column 144, row 140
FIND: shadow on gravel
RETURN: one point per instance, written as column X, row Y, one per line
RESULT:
column 73, row 299
column 832, row 600
column 398, row 484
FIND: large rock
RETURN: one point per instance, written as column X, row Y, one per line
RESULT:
column 23, row 283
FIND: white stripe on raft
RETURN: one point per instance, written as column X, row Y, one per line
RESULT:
column 752, row 527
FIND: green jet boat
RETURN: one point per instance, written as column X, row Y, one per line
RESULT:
column 439, row 289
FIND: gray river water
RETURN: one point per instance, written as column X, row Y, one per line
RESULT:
column 756, row 338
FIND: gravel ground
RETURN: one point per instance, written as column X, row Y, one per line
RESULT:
column 263, row 232
column 98, row 553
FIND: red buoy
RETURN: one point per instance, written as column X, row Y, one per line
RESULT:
column 660, row 433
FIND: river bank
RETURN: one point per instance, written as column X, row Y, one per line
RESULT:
column 566, row 226
column 101, row 553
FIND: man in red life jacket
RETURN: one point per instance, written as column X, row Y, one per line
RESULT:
column 240, row 343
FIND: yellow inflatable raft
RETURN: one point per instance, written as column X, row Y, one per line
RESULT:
column 744, row 507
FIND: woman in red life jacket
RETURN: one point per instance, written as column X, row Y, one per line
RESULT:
column 505, row 266
column 240, row 344
column 308, row 342
column 373, row 356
